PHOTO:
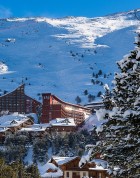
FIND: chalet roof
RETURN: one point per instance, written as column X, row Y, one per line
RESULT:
column 14, row 123
column 32, row 129
column 11, row 117
column 63, row 160
column 3, row 130
column 63, row 122
column 99, row 164
column 51, row 166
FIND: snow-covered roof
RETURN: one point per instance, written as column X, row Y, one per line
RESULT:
column 3, row 130
column 46, row 167
column 45, row 125
column 11, row 117
column 98, row 168
column 63, row 122
column 100, row 164
column 63, row 160
column 14, row 122
column 32, row 129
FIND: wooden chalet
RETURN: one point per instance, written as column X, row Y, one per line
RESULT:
column 62, row 125
column 36, row 130
column 17, row 124
column 71, row 169
column 18, row 101
column 53, row 108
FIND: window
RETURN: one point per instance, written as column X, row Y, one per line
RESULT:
column 84, row 173
column 67, row 174
column 100, row 175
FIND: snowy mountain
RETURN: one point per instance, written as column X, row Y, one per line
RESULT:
column 61, row 55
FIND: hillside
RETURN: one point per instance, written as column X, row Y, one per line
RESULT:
column 61, row 55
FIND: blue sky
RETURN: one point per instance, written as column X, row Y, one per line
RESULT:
column 62, row 8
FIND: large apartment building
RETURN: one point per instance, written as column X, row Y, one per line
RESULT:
column 51, row 107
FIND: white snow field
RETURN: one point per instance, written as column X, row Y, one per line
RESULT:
column 60, row 55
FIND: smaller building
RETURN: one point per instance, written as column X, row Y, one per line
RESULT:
column 96, row 168
column 63, row 125
column 17, row 124
column 36, row 130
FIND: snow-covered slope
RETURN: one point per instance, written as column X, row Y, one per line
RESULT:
column 60, row 55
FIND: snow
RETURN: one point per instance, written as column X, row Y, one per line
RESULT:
column 3, row 129
column 99, row 168
column 101, row 114
column 62, row 160
column 44, row 168
column 63, row 122
column 50, row 41
column 12, row 40
column 29, row 158
column 86, row 157
column 100, row 162
column 3, row 68
column 106, row 87
column 138, row 55
column 7, row 119
column 34, row 116
column 33, row 129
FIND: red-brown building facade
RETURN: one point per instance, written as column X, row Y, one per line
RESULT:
column 18, row 101
column 53, row 108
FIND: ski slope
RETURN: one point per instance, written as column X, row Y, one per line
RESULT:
column 60, row 55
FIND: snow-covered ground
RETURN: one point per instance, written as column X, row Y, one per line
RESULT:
column 60, row 55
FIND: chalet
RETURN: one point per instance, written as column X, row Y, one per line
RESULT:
column 18, row 101
column 63, row 125
column 53, row 107
column 37, row 130
column 17, row 124
column 71, row 169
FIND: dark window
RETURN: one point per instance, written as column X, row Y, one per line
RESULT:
column 67, row 174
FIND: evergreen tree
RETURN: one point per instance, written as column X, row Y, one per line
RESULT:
column 78, row 100
column 119, row 140
column 33, row 171
column 107, row 98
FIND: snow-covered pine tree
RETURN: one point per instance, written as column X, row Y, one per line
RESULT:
column 107, row 98
column 120, row 137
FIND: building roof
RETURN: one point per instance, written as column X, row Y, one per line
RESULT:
column 63, row 160
column 63, row 122
column 14, row 116
column 3, row 130
column 35, row 128
column 51, row 166
column 14, row 122
column 70, row 104
column 100, row 164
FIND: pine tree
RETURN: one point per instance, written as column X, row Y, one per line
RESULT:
column 107, row 98
column 33, row 171
column 119, row 140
